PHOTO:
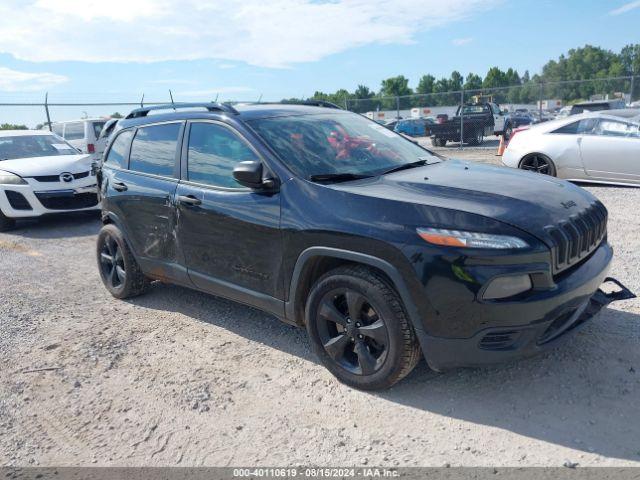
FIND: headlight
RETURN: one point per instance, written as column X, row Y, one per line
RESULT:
column 457, row 238
column 7, row 178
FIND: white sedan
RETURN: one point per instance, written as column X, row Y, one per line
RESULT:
column 40, row 173
column 590, row 147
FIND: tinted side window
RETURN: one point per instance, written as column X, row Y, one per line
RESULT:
column 154, row 149
column 118, row 151
column 74, row 131
column 213, row 153
column 581, row 126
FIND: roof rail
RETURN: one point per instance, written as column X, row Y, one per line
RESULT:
column 211, row 106
column 313, row 103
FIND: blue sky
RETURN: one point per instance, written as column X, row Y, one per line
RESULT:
column 78, row 50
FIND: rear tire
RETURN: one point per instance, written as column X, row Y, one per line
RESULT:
column 6, row 223
column 539, row 163
column 359, row 329
column 438, row 142
column 119, row 270
column 477, row 138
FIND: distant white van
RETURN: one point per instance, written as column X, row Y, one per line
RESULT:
column 82, row 134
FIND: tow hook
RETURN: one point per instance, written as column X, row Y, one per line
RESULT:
column 601, row 298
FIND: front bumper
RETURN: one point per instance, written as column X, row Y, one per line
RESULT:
column 37, row 198
column 496, row 345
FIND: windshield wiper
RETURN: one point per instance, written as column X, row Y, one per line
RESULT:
column 337, row 177
column 407, row 166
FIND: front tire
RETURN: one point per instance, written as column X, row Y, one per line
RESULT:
column 6, row 223
column 119, row 271
column 359, row 329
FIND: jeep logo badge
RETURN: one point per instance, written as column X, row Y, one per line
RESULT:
column 66, row 177
column 568, row 204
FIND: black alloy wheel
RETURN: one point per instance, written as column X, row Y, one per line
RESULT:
column 538, row 163
column 112, row 262
column 118, row 268
column 358, row 328
column 352, row 332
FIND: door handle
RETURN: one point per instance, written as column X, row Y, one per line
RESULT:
column 120, row 187
column 189, row 200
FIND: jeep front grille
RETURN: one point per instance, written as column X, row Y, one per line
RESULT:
column 575, row 238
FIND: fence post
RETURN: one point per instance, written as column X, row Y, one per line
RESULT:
column 461, row 118
column 397, row 108
column 631, row 92
column 46, row 109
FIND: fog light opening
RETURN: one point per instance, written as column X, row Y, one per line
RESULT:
column 507, row 286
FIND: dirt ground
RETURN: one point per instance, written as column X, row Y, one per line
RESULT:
column 177, row 377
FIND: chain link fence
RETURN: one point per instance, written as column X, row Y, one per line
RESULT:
column 453, row 119
column 473, row 117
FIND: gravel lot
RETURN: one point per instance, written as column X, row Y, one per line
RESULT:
column 181, row 378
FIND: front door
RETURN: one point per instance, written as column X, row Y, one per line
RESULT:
column 229, row 234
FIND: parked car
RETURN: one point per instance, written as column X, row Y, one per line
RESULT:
column 103, row 138
column 391, row 124
column 41, row 173
column 383, row 251
column 590, row 147
column 516, row 120
column 478, row 121
column 596, row 106
column 82, row 134
column 414, row 127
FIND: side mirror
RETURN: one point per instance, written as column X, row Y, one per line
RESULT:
column 250, row 173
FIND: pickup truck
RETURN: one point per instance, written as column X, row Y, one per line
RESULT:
column 478, row 121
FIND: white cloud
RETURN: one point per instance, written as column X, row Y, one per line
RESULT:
column 625, row 8
column 459, row 42
column 16, row 81
column 277, row 33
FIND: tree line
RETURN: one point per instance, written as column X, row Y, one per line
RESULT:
column 562, row 79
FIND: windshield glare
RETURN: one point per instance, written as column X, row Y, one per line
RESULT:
column 29, row 146
column 337, row 143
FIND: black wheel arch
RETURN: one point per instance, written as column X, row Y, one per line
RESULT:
column 313, row 262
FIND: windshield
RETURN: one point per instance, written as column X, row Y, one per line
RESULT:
column 471, row 109
column 337, row 143
column 28, row 146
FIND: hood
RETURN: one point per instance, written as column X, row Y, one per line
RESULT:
column 44, row 166
column 528, row 201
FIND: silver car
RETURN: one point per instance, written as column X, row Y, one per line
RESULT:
column 590, row 147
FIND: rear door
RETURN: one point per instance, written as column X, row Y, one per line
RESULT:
column 229, row 234
column 612, row 151
column 140, row 183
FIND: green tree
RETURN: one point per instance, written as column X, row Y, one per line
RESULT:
column 13, row 126
column 396, row 87
column 473, row 82
column 116, row 115
column 425, row 84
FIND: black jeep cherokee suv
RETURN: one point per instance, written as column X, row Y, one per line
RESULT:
column 329, row 220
